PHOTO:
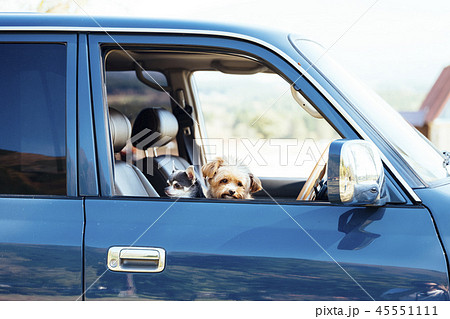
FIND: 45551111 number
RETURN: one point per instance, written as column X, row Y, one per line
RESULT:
column 406, row 311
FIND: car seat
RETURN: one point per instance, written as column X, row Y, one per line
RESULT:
column 153, row 128
column 128, row 179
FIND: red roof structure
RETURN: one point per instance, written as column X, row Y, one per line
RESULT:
column 433, row 105
column 438, row 96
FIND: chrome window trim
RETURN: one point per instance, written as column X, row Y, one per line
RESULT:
column 333, row 102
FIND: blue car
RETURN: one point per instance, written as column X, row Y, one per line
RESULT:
column 96, row 113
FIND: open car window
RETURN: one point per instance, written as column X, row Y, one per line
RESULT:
column 193, row 107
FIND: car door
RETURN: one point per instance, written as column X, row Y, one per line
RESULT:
column 41, row 217
column 251, row 250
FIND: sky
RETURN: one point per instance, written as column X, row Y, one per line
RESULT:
column 400, row 44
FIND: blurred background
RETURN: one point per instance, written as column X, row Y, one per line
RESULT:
column 399, row 48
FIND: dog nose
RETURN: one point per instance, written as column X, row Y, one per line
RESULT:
column 231, row 192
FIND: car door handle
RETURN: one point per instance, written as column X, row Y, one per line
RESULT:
column 136, row 259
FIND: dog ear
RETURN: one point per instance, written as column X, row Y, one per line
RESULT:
column 173, row 167
column 191, row 173
column 255, row 183
column 210, row 169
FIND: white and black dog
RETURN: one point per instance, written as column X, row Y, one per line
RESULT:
column 184, row 184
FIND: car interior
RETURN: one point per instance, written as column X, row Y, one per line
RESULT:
column 157, row 123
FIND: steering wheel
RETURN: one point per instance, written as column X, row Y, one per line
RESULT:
column 317, row 174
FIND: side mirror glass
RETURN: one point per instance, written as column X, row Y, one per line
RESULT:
column 355, row 174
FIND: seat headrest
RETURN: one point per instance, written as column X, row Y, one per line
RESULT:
column 120, row 127
column 154, row 127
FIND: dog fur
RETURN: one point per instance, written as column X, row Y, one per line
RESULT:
column 184, row 184
column 229, row 181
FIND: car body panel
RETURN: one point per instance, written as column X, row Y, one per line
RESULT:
column 40, row 248
column 87, row 158
column 437, row 200
column 256, row 251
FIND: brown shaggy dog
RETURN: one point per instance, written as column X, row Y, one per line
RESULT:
column 229, row 181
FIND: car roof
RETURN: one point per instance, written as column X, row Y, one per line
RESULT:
column 275, row 39
column 53, row 22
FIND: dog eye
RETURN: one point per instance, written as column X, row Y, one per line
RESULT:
column 240, row 184
column 224, row 181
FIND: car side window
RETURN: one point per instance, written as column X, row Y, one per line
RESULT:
column 32, row 119
column 246, row 106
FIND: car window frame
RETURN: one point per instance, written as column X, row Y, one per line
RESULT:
column 70, row 41
column 215, row 43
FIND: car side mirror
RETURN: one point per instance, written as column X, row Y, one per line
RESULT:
column 355, row 174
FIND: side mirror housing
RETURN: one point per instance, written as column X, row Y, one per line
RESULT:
column 355, row 174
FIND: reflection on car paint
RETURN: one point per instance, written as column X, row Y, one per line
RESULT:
column 192, row 276
column 353, row 224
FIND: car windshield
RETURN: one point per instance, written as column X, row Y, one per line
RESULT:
column 417, row 151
